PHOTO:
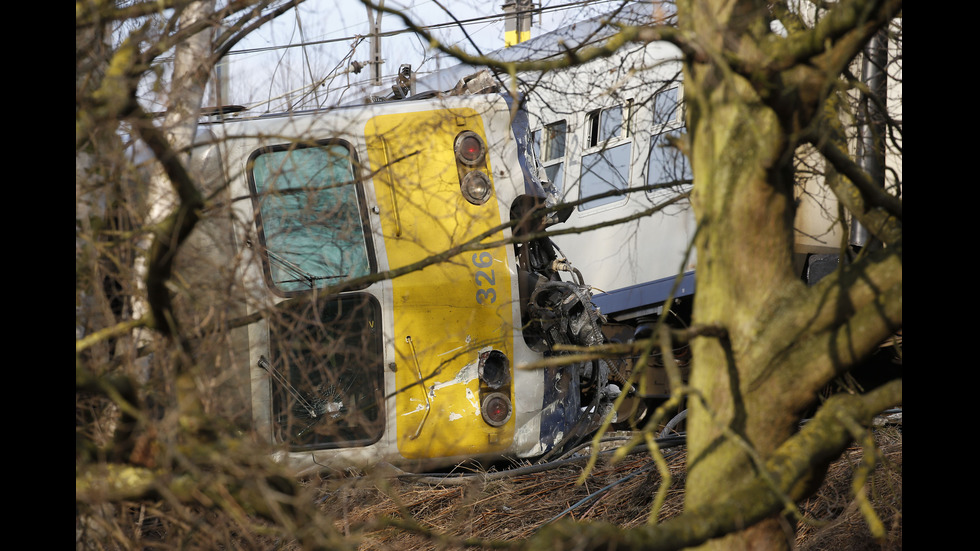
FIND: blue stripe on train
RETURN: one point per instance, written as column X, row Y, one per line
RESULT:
column 643, row 295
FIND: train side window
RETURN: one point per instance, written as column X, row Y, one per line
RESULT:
column 602, row 172
column 607, row 167
column 310, row 216
column 550, row 147
column 667, row 166
column 667, row 108
column 607, row 125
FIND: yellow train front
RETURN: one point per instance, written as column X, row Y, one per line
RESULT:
column 375, row 248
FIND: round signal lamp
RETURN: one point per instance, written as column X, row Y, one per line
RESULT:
column 476, row 187
column 470, row 149
column 496, row 409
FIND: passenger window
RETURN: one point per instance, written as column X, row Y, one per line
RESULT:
column 607, row 168
column 605, row 171
column 667, row 166
column 667, row 108
column 554, row 141
column 667, row 163
column 309, row 216
column 550, row 148
column 606, row 125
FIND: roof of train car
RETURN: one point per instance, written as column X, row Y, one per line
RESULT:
column 554, row 43
column 234, row 114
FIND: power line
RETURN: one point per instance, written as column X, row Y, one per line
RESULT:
column 484, row 21
column 447, row 24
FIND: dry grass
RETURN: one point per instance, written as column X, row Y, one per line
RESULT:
column 380, row 514
column 512, row 508
column 834, row 522
column 515, row 508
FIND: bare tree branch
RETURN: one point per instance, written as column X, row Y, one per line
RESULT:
column 795, row 467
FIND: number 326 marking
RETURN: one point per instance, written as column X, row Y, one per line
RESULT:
column 489, row 295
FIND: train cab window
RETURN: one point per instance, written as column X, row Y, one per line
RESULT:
column 667, row 166
column 328, row 372
column 549, row 145
column 310, row 216
column 606, row 163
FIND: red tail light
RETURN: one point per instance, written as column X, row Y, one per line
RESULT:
column 470, row 149
column 496, row 409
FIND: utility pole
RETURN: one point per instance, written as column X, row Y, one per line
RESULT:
column 517, row 24
column 220, row 90
column 871, row 144
column 375, row 62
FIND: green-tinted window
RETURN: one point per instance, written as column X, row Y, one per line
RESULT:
column 309, row 216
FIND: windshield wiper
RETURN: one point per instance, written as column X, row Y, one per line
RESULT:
column 264, row 364
column 301, row 274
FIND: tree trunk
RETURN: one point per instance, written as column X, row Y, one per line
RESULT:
column 743, row 200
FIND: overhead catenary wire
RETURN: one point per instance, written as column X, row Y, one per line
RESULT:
column 436, row 26
column 348, row 64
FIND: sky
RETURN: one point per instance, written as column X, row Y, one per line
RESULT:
column 326, row 36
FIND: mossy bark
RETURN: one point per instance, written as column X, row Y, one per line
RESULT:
column 744, row 205
column 784, row 340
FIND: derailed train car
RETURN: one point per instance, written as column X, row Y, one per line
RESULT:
column 390, row 260
column 392, row 257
